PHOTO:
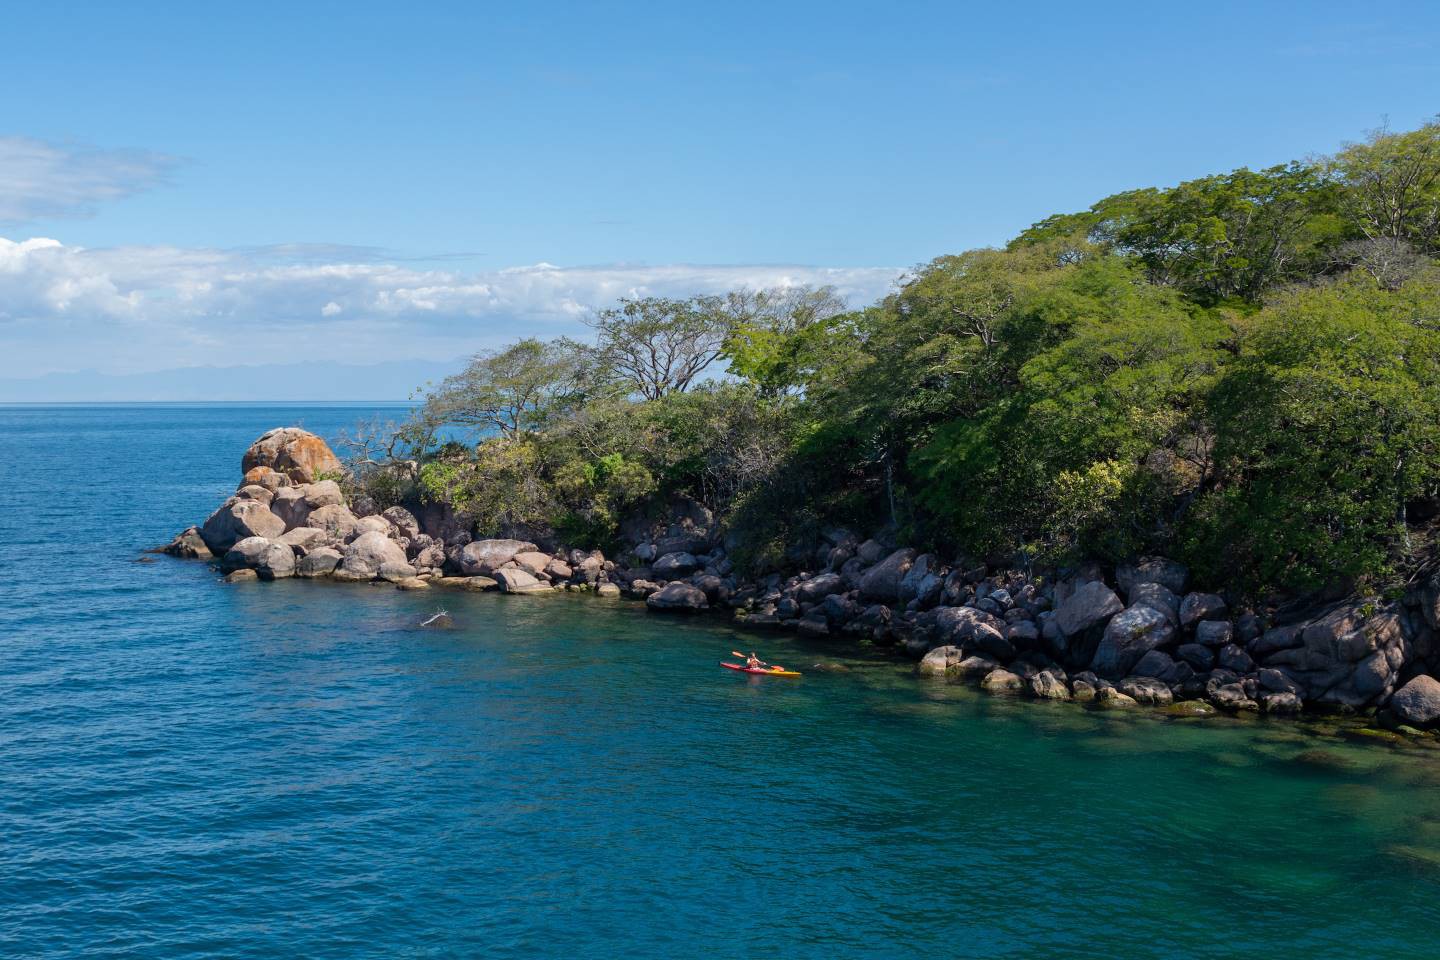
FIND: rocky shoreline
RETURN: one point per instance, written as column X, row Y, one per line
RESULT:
column 1135, row 637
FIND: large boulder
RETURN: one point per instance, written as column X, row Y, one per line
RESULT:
column 304, row 539
column 335, row 519
column 404, row 521
column 1201, row 606
column 1156, row 595
column 1002, row 681
column 295, row 504
column 1169, row 574
column 367, row 553
column 818, row 588
column 235, row 521
column 882, row 581
column 189, row 544
column 299, row 454
column 1129, row 636
column 483, row 557
column 1418, row 702
column 674, row 565
column 1147, row 690
column 532, row 562
column 270, row 559
column 677, row 596
column 973, row 629
column 516, row 580
column 940, row 661
column 319, row 563
column 1090, row 604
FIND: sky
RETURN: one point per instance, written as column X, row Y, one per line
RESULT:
column 190, row 186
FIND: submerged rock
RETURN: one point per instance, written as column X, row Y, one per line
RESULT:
column 1002, row 681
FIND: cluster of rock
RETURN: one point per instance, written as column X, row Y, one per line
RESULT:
column 1140, row 637
column 289, row 519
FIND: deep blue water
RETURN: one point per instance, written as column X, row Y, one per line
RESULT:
column 189, row 768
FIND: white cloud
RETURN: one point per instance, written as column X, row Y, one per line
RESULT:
column 40, row 180
column 137, row 309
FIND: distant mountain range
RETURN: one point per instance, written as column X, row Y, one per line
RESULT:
column 392, row 380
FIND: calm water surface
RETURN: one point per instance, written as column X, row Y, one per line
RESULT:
column 294, row 769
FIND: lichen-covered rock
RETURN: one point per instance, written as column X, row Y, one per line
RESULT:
column 1046, row 686
column 1092, row 603
column 1002, row 681
column 607, row 590
column 1129, row 636
column 1111, row 698
column 404, row 522
column 298, row 454
column 677, row 596
column 235, row 521
column 1146, row 690
column 484, row 557
column 938, row 662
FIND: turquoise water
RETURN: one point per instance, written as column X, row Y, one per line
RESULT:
column 189, row 768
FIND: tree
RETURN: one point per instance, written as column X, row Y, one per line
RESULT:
column 1081, row 453
column 1392, row 186
column 1229, row 236
column 773, row 332
column 513, row 389
column 1328, row 425
column 658, row 345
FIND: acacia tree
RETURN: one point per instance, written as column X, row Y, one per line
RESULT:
column 1392, row 186
column 659, row 346
column 514, row 389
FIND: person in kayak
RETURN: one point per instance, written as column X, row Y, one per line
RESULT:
column 753, row 662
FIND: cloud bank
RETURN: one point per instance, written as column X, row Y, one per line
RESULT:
column 136, row 309
column 40, row 180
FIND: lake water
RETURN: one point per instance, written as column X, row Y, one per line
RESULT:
column 189, row 768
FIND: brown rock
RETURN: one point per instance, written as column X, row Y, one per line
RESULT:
column 299, row 454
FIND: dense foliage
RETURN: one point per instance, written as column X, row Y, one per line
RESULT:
column 1243, row 369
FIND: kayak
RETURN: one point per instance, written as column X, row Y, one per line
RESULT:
column 773, row 672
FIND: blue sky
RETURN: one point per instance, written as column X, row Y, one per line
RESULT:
column 429, row 147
